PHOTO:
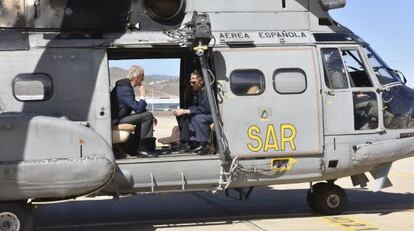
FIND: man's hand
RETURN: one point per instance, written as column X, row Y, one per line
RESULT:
column 154, row 121
column 362, row 96
column 181, row 112
column 142, row 91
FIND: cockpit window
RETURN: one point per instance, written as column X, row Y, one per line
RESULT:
column 335, row 76
column 398, row 107
column 358, row 75
column 384, row 74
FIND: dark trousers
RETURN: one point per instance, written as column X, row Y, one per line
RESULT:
column 143, row 123
column 200, row 127
column 184, row 127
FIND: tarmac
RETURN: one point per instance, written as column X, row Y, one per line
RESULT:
column 279, row 207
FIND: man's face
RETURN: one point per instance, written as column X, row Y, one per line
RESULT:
column 196, row 82
column 138, row 81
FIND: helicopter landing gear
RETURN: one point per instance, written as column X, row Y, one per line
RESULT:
column 327, row 199
column 16, row 216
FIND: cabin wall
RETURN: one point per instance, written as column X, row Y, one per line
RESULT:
column 80, row 84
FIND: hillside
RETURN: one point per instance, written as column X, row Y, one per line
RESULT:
column 157, row 85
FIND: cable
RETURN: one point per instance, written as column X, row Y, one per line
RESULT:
column 213, row 80
column 215, row 41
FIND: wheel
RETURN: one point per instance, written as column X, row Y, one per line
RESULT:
column 16, row 217
column 310, row 198
column 330, row 199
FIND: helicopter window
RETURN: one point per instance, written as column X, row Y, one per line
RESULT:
column 398, row 107
column 365, row 110
column 358, row 75
column 332, row 37
column 247, row 82
column 289, row 81
column 32, row 87
column 335, row 76
column 384, row 74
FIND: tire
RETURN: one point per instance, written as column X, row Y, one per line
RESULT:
column 310, row 197
column 330, row 199
column 16, row 217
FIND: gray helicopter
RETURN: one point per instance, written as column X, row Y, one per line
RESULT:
column 296, row 97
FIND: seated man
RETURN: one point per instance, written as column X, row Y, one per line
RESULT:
column 123, row 103
column 195, row 121
column 365, row 111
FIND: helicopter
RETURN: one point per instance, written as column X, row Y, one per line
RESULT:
column 295, row 96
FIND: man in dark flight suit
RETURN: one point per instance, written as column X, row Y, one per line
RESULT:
column 123, row 103
column 195, row 121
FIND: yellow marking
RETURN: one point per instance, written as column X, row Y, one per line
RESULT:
column 349, row 223
column 255, row 137
column 271, row 140
column 204, row 48
column 288, row 139
column 282, row 164
column 264, row 119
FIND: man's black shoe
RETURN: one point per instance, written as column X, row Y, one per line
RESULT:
column 202, row 149
column 197, row 149
column 193, row 145
column 180, row 148
column 146, row 154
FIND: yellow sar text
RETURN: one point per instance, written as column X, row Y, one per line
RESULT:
column 268, row 140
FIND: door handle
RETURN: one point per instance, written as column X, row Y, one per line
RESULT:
column 331, row 93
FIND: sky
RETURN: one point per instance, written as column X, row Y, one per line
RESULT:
column 387, row 25
column 170, row 67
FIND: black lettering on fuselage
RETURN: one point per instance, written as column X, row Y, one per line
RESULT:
column 235, row 35
column 281, row 34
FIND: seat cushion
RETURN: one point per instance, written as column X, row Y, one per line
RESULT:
column 119, row 137
column 124, row 127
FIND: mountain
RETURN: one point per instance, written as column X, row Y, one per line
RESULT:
column 157, row 85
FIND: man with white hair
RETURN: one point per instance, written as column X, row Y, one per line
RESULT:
column 123, row 103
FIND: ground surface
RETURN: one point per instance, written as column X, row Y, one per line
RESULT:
column 281, row 207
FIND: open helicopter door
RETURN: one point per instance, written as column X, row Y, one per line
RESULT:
column 271, row 105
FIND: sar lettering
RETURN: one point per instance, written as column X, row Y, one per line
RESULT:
column 272, row 140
